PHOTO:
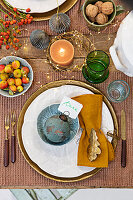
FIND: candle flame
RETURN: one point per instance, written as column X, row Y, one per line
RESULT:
column 62, row 51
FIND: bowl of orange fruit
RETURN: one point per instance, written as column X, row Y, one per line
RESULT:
column 16, row 76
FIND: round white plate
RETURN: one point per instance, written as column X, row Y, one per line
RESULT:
column 36, row 6
column 59, row 161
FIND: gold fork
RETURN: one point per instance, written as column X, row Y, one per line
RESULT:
column 6, row 147
column 13, row 138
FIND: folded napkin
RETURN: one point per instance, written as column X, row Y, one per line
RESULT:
column 90, row 117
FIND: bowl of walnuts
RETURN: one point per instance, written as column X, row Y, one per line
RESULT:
column 100, row 14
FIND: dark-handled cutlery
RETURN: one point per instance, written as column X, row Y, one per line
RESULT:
column 6, row 145
column 13, row 138
column 123, row 137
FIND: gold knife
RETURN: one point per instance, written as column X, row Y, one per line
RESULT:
column 123, row 137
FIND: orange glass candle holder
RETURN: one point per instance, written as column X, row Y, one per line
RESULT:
column 62, row 52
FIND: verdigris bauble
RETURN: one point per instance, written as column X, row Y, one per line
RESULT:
column 56, row 129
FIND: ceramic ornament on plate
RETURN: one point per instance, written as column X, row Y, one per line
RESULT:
column 55, row 128
column 122, row 49
column 36, row 6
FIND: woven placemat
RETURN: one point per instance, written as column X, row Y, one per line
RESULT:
column 22, row 175
column 77, row 22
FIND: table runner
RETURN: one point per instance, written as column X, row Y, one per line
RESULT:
column 77, row 22
column 22, row 175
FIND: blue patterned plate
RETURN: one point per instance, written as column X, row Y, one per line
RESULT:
column 45, row 116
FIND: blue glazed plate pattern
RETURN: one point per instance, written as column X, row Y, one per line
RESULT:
column 5, row 61
column 49, row 112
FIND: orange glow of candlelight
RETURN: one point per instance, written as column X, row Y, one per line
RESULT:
column 62, row 52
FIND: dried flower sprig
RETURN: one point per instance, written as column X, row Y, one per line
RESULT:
column 9, row 26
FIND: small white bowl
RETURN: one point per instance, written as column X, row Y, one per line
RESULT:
column 5, row 61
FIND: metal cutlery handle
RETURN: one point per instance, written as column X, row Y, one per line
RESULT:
column 13, row 148
column 123, row 154
column 6, row 153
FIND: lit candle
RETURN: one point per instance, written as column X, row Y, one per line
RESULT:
column 62, row 52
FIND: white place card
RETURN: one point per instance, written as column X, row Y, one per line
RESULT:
column 70, row 107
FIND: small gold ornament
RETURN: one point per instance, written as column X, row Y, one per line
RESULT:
column 93, row 149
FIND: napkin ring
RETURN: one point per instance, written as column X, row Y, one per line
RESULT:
column 113, row 135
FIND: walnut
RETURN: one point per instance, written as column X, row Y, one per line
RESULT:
column 101, row 18
column 99, row 5
column 92, row 19
column 91, row 10
column 107, row 8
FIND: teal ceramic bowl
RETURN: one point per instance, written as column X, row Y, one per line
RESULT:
column 52, row 129
column 8, row 59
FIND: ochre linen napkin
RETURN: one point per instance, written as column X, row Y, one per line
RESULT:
column 91, row 117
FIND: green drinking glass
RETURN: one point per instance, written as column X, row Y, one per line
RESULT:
column 96, row 68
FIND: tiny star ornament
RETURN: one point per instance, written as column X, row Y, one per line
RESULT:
column 59, row 22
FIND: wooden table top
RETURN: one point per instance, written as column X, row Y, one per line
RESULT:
column 37, row 58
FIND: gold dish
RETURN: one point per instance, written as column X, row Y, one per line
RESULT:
column 67, row 5
column 21, row 120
